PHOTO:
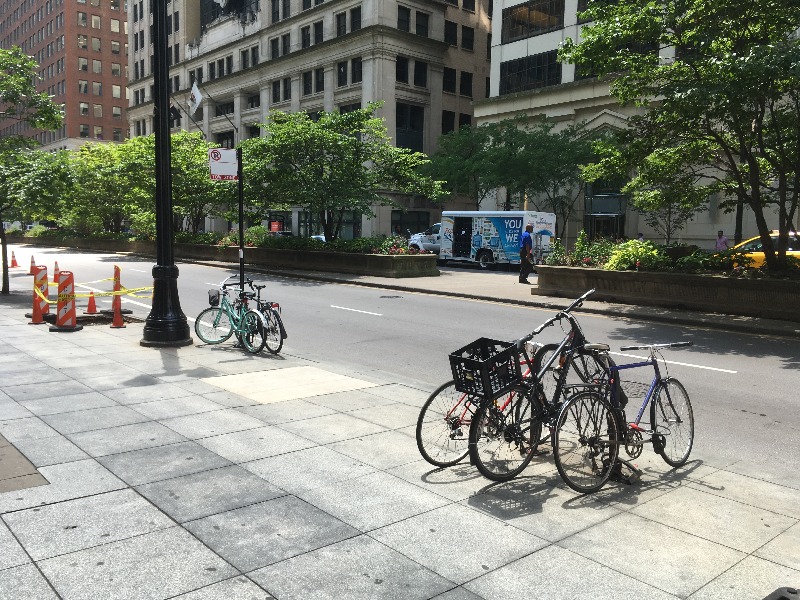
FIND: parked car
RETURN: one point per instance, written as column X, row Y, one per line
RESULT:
column 321, row 238
column 430, row 239
column 753, row 248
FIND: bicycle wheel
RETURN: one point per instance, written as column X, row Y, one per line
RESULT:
column 213, row 326
column 273, row 330
column 586, row 442
column 252, row 335
column 503, row 436
column 672, row 420
column 443, row 426
column 588, row 367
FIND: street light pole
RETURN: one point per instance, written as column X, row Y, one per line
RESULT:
column 166, row 325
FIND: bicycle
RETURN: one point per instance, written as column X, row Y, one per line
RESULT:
column 592, row 425
column 217, row 323
column 273, row 331
column 450, row 410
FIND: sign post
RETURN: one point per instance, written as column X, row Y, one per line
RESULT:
column 226, row 165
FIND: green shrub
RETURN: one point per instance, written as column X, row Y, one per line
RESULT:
column 187, row 237
column 37, row 231
column 636, row 255
column 557, row 255
column 693, row 263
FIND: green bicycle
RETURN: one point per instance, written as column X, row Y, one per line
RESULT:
column 218, row 323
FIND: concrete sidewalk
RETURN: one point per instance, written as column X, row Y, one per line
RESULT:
column 204, row 472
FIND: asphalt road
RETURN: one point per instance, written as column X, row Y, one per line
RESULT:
column 743, row 387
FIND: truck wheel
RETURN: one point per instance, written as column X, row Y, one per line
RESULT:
column 485, row 259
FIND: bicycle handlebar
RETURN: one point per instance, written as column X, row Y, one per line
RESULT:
column 558, row 316
column 654, row 346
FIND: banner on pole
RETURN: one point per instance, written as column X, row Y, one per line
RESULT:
column 223, row 164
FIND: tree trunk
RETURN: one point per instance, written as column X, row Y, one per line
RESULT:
column 4, row 252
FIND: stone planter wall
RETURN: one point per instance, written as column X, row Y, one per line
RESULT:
column 770, row 298
column 377, row 265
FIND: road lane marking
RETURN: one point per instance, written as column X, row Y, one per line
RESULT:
column 672, row 362
column 363, row 312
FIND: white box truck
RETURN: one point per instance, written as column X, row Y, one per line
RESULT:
column 492, row 237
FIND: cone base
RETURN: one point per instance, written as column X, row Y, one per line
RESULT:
column 66, row 329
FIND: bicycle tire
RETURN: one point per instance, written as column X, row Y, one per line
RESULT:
column 273, row 333
column 252, row 335
column 586, row 441
column 443, row 425
column 503, row 436
column 213, row 325
column 672, row 419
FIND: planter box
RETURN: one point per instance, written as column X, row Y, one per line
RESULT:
column 770, row 298
column 377, row 265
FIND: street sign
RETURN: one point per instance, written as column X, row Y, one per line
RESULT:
column 223, row 164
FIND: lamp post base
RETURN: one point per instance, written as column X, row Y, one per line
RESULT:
column 166, row 325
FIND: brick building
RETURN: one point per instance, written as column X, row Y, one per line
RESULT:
column 81, row 48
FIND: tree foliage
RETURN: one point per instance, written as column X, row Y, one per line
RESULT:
column 329, row 166
column 19, row 101
column 719, row 82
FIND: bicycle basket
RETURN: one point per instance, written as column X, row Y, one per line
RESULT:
column 486, row 368
column 213, row 297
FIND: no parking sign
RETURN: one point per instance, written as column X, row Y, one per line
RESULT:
column 223, row 164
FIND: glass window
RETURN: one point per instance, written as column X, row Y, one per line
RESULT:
column 467, row 37
column 244, row 57
column 81, row 19
column 97, row 88
column 410, row 126
column 530, row 72
column 341, row 24
column 449, row 80
column 114, row 25
column 318, row 32
column 115, row 47
column 355, row 19
column 116, row 69
column 448, row 121
column 401, row 69
column 116, row 112
column 96, row 44
column 95, row 22
column 98, row 132
column 307, row 83
column 83, row 86
column 464, row 120
column 286, row 43
column 97, row 66
column 531, row 18
column 305, row 36
column 420, row 73
column 117, row 137
column 83, row 108
column 403, row 18
column 276, row 92
column 287, row 12
column 306, row 4
column 254, row 101
column 83, row 41
column 116, row 91
column 175, row 21
column 422, row 24
column 341, row 73
column 355, row 70
column 466, row 84
column 274, row 48
column 451, row 33
column 254, row 55
column 287, row 88
column 84, row 131
column 98, row 111
column 276, row 10
column 83, row 64
column 319, row 80
column 468, row 5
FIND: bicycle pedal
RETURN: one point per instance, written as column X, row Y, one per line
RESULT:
column 540, row 452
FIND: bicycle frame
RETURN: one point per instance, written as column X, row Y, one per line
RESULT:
column 616, row 383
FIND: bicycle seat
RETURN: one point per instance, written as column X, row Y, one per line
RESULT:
column 260, row 287
column 599, row 347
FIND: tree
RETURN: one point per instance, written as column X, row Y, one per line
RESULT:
column 338, row 163
column 19, row 101
column 719, row 83
column 463, row 161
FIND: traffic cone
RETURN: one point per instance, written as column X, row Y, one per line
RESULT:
column 36, row 314
column 56, row 273
column 33, row 267
column 91, row 309
column 66, row 320
column 117, row 323
column 14, row 263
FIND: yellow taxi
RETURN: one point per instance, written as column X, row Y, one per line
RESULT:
column 753, row 249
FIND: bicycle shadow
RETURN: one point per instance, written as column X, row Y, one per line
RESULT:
column 523, row 496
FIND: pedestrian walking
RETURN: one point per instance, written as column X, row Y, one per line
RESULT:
column 721, row 243
column 640, row 237
column 525, row 254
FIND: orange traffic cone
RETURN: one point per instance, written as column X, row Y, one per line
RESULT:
column 117, row 323
column 14, row 262
column 33, row 267
column 36, row 314
column 56, row 273
column 91, row 309
column 66, row 319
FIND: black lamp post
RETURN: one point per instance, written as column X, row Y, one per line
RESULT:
column 166, row 325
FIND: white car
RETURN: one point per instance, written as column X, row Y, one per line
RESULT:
column 430, row 239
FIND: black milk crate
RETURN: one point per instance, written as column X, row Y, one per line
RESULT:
column 213, row 297
column 486, row 368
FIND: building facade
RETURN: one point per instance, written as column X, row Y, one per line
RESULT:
column 527, row 79
column 81, row 48
column 426, row 60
